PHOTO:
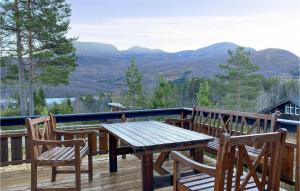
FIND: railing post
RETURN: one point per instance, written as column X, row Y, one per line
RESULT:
column 123, row 119
column 4, row 151
column 27, row 148
column 182, row 116
column 103, row 140
column 16, row 148
column 298, row 159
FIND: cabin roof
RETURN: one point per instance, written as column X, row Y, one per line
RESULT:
column 116, row 105
column 294, row 99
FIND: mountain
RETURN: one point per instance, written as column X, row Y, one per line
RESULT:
column 101, row 67
column 217, row 49
column 141, row 50
column 274, row 61
column 94, row 48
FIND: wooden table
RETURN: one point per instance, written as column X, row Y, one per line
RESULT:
column 148, row 137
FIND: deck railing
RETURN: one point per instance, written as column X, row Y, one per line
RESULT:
column 15, row 149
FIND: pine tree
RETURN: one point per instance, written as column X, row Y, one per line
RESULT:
column 63, row 108
column 40, row 106
column 135, row 94
column 12, row 38
column 39, row 29
column 239, row 80
column 163, row 94
column 203, row 95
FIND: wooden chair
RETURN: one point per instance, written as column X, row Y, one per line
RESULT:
column 232, row 158
column 214, row 122
column 47, row 150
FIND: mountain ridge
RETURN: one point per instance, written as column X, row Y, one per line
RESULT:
column 102, row 66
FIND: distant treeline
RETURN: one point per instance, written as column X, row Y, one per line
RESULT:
column 237, row 87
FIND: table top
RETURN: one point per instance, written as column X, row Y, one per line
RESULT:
column 154, row 135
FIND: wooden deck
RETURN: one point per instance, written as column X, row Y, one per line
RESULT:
column 128, row 176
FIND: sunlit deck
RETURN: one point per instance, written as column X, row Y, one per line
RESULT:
column 15, row 151
column 128, row 176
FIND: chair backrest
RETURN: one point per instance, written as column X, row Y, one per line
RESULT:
column 217, row 121
column 41, row 128
column 264, row 171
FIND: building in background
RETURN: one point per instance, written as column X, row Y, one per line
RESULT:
column 288, row 108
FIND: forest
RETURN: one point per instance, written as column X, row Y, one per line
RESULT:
column 237, row 87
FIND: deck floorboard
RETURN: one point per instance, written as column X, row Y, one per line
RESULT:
column 128, row 177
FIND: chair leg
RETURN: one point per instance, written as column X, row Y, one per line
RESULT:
column 90, row 166
column 78, row 175
column 33, row 176
column 53, row 176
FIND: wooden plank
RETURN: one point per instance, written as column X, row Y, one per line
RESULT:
column 181, row 135
column 179, row 131
column 16, row 148
column 198, row 155
column 139, row 141
column 124, row 150
column 128, row 178
column 165, row 133
column 159, row 161
column 68, row 136
column 152, row 135
column 13, row 133
column 144, row 139
column 103, row 140
column 138, row 133
column 287, row 162
column 129, row 139
column 4, row 150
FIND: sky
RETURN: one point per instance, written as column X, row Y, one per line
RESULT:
column 174, row 25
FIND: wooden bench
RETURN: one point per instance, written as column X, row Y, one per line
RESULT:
column 214, row 122
column 47, row 150
column 229, row 173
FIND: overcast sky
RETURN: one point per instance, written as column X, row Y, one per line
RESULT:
column 174, row 25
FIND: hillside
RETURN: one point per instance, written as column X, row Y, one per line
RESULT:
column 102, row 66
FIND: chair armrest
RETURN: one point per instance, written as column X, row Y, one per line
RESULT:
column 211, row 171
column 73, row 142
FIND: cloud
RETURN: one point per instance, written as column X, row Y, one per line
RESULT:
column 180, row 33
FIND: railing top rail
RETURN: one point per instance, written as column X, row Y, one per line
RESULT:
column 20, row 120
column 290, row 122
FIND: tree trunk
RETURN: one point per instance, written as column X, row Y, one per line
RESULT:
column 239, row 95
column 21, row 66
column 31, row 64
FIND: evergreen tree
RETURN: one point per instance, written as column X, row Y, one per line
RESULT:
column 163, row 94
column 239, row 80
column 66, row 107
column 203, row 96
column 40, row 106
column 37, row 30
column 12, row 38
column 63, row 108
column 135, row 95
